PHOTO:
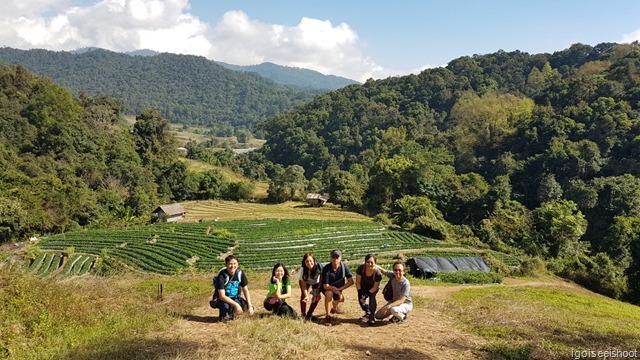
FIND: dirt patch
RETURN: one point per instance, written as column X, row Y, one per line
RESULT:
column 429, row 333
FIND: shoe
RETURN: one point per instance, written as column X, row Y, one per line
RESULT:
column 365, row 317
column 311, row 318
column 327, row 321
column 338, row 311
column 371, row 322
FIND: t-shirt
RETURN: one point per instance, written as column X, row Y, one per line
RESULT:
column 367, row 282
column 273, row 289
column 232, row 289
column 309, row 279
column 402, row 287
column 335, row 277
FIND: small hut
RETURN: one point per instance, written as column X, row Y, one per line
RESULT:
column 169, row 213
column 316, row 199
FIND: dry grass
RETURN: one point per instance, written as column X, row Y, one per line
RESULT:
column 230, row 210
column 546, row 321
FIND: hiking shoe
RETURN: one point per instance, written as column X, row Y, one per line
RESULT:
column 327, row 321
column 338, row 311
column 311, row 318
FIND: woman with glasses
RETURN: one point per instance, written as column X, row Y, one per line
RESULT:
column 368, row 279
column 398, row 308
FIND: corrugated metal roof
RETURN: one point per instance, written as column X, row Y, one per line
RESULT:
column 311, row 196
column 171, row 209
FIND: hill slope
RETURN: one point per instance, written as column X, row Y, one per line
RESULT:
column 286, row 75
column 187, row 89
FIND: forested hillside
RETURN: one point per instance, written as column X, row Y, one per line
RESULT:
column 186, row 89
column 67, row 162
column 537, row 155
column 303, row 78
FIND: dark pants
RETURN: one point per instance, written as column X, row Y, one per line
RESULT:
column 227, row 309
column 316, row 291
column 368, row 302
column 280, row 307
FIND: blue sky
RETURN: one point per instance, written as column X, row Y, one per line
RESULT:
column 354, row 39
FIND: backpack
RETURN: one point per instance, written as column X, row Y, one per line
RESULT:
column 215, row 297
column 387, row 292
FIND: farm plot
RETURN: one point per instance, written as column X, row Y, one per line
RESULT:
column 260, row 244
column 169, row 248
column 161, row 248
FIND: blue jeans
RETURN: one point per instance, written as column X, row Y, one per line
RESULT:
column 227, row 309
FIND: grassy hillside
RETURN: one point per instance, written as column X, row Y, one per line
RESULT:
column 123, row 317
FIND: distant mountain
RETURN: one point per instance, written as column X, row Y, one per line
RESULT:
column 286, row 75
column 143, row 52
column 186, row 89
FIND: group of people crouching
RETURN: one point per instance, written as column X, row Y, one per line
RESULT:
column 316, row 280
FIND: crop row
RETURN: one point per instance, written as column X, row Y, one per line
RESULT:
column 165, row 248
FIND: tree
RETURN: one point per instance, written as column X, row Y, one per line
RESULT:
column 417, row 214
column 484, row 125
column 559, row 225
column 156, row 145
column 345, row 190
column 549, row 189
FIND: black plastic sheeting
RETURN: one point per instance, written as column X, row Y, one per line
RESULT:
column 429, row 267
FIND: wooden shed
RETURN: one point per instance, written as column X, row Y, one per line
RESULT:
column 169, row 213
column 316, row 199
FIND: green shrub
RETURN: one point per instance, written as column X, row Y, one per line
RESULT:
column 470, row 277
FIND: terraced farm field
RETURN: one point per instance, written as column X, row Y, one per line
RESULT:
column 170, row 248
column 231, row 210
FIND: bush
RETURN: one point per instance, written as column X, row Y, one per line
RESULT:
column 531, row 266
column 470, row 277
column 383, row 219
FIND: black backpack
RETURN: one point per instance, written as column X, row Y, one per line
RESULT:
column 387, row 292
column 215, row 296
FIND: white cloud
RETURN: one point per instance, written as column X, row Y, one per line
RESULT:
column 634, row 36
column 168, row 26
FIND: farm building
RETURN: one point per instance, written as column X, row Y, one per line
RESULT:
column 169, row 213
column 424, row 267
column 316, row 199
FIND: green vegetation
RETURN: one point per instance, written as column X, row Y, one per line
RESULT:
column 549, row 322
column 91, row 318
column 186, row 89
column 165, row 248
column 470, row 277
column 533, row 155
column 529, row 154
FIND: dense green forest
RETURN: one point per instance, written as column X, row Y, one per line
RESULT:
column 67, row 162
column 285, row 75
column 537, row 155
column 186, row 89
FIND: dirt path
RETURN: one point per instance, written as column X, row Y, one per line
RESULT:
column 430, row 333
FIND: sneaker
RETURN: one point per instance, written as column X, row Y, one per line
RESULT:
column 311, row 318
column 327, row 321
column 365, row 318
column 338, row 311
column 371, row 322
